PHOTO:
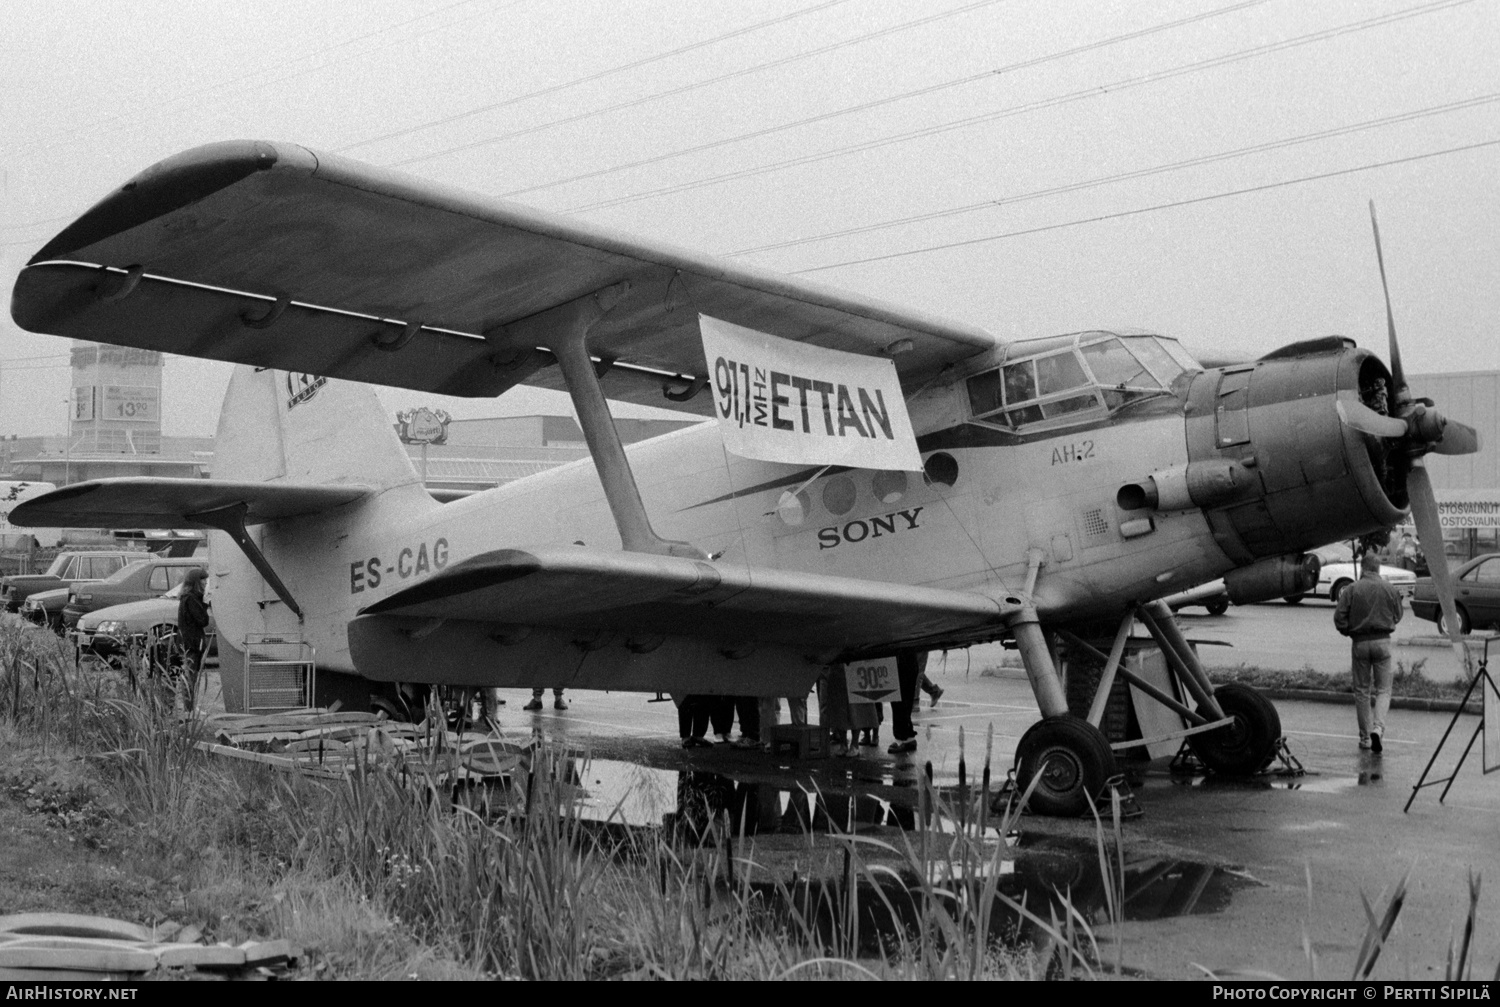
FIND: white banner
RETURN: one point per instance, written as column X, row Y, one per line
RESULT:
column 782, row 401
column 873, row 681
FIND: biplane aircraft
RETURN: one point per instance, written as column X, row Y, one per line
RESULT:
column 1044, row 492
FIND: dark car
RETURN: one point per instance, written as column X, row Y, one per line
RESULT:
column 150, row 578
column 1476, row 595
column 67, row 569
column 109, row 632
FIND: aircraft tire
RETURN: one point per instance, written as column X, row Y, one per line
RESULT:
column 1217, row 607
column 1249, row 744
column 1294, row 599
column 1075, row 760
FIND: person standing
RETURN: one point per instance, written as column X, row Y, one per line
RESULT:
column 909, row 667
column 558, row 703
column 1367, row 612
column 192, row 630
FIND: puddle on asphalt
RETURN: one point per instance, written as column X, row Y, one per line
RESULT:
column 1312, row 783
column 1037, row 872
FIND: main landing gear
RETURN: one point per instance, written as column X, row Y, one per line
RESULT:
column 1067, row 760
column 1070, row 760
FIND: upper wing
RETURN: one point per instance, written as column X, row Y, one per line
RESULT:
column 579, row 588
column 174, row 503
column 338, row 256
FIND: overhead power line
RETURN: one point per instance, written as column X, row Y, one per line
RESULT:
column 698, row 85
column 1148, row 209
column 1123, row 176
column 636, row 64
column 974, row 120
column 133, row 114
column 878, row 102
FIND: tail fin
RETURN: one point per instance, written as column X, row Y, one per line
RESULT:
column 280, row 426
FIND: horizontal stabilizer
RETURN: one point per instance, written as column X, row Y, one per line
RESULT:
column 175, row 503
column 640, row 595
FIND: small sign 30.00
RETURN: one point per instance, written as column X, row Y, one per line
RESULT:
column 873, row 681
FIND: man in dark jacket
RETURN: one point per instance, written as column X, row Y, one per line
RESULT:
column 192, row 629
column 1367, row 611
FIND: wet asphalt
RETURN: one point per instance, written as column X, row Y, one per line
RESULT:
column 1220, row 875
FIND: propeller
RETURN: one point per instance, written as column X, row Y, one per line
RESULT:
column 1419, row 429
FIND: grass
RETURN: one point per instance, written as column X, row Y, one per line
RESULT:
column 382, row 875
column 1408, row 680
column 108, row 807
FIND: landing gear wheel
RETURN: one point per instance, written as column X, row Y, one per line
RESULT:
column 1217, row 607
column 1072, row 759
column 1294, row 599
column 1246, row 746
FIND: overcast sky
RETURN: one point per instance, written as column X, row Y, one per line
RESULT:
column 1015, row 164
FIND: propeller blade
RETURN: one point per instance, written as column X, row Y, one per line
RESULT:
column 1424, row 512
column 1398, row 375
column 1458, row 439
column 1361, row 417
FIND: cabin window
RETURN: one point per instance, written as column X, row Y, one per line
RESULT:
column 984, row 393
column 1059, row 372
column 1020, row 381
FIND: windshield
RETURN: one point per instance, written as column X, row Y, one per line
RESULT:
column 1062, row 378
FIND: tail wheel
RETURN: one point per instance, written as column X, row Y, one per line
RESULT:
column 1070, row 759
column 1217, row 607
column 1248, row 744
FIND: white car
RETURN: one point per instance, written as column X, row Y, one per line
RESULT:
column 1339, row 570
column 1213, row 596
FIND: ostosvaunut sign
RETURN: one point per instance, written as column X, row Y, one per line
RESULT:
column 781, row 401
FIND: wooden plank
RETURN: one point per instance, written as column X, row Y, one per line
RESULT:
column 268, row 952
column 83, row 959
column 201, row 956
column 73, row 925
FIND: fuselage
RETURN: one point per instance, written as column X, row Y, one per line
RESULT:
column 997, row 505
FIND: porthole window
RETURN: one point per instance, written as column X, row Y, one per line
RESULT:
column 793, row 508
column 839, row 495
column 888, row 487
column 940, row 469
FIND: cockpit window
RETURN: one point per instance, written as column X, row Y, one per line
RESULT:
column 1020, row 381
column 1061, row 377
column 1059, row 373
column 1114, row 367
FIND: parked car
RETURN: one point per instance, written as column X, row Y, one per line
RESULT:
column 1476, row 595
column 1339, row 570
column 45, row 608
column 108, row 632
column 67, row 569
column 1213, row 596
column 152, row 577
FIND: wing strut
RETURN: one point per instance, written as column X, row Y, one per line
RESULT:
column 231, row 521
column 564, row 330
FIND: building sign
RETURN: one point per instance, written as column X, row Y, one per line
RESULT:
column 783, row 401
column 1469, row 508
column 83, row 403
column 130, row 403
column 423, row 426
